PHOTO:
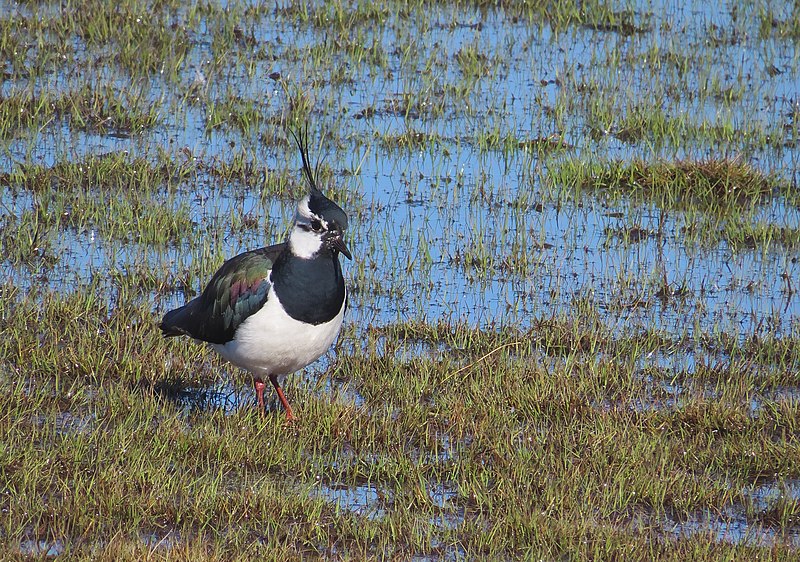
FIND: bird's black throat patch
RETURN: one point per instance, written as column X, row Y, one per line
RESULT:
column 310, row 290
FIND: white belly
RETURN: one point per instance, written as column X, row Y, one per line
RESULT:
column 271, row 342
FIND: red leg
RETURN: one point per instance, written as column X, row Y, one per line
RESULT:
column 289, row 414
column 259, row 386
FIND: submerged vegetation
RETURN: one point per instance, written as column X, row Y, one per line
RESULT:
column 574, row 321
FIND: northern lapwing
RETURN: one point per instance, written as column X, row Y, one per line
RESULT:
column 274, row 310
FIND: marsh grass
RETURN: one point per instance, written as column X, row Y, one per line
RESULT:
column 129, row 199
column 721, row 185
column 720, row 198
column 91, row 107
column 91, row 450
column 573, row 398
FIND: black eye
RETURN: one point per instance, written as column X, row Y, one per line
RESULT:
column 316, row 226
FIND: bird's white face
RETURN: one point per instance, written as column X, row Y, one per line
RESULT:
column 306, row 239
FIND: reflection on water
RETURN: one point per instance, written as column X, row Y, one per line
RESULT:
column 365, row 500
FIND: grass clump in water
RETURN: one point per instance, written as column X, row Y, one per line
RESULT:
column 101, row 109
column 713, row 184
column 122, row 197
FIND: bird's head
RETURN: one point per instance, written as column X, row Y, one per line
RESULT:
column 319, row 223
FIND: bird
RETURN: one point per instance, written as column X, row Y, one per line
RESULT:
column 274, row 310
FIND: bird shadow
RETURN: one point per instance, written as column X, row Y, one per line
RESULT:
column 224, row 395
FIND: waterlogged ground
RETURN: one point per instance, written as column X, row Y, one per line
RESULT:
column 574, row 311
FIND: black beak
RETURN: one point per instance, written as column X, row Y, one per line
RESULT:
column 338, row 243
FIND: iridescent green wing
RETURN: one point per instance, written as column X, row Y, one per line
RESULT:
column 236, row 291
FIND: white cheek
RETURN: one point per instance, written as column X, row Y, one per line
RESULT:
column 303, row 212
column 304, row 244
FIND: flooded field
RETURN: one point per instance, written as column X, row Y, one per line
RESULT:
column 574, row 306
